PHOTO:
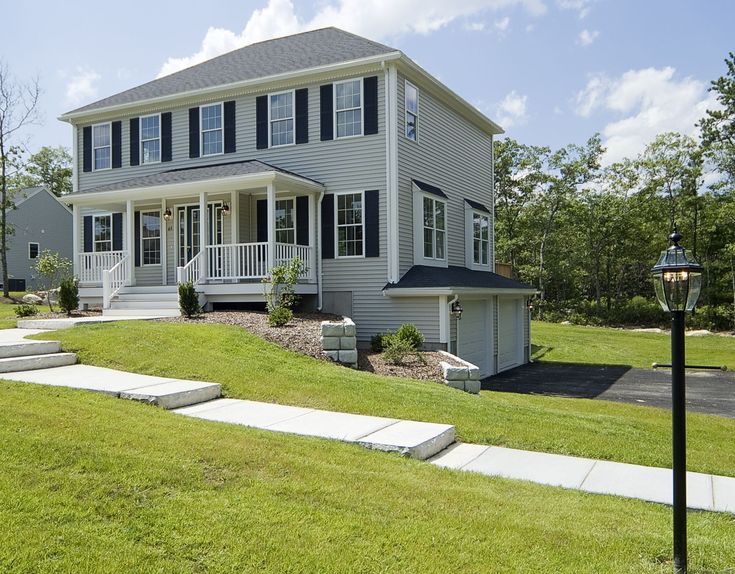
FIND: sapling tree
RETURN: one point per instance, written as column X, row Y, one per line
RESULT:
column 52, row 268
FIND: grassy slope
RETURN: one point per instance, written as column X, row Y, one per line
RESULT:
column 7, row 316
column 91, row 484
column 597, row 345
column 250, row 368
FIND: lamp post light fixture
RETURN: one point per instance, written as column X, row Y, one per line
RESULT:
column 678, row 280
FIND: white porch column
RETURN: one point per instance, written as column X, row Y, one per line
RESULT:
column 164, row 244
column 130, row 241
column 75, row 239
column 312, row 238
column 203, row 235
column 235, row 217
column 271, row 226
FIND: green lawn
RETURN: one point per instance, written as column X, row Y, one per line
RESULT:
column 249, row 367
column 96, row 485
column 599, row 345
column 7, row 316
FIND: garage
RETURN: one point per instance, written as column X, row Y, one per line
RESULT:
column 510, row 335
column 474, row 341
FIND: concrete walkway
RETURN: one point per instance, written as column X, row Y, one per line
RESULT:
column 69, row 322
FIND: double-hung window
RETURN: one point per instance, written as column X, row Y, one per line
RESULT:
column 285, row 221
column 348, row 108
column 281, row 118
column 211, row 118
column 480, row 238
column 150, row 139
column 33, row 249
column 150, row 237
column 102, row 226
column 435, row 228
column 412, row 112
column 102, row 146
column 350, row 230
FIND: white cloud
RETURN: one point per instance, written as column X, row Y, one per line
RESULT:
column 81, row 86
column 582, row 7
column 646, row 102
column 502, row 24
column 586, row 37
column 376, row 19
column 474, row 26
column 511, row 110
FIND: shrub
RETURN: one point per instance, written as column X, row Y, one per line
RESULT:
column 411, row 335
column 713, row 318
column 52, row 268
column 379, row 341
column 69, row 295
column 280, row 315
column 25, row 310
column 188, row 299
column 396, row 350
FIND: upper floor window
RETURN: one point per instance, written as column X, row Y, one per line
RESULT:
column 348, row 108
column 33, row 248
column 211, row 118
column 150, row 139
column 480, row 238
column 102, row 225
column 281, row 118
column 102, row 146
column 435, row 228
column 412, row 112
column 150, row 232
column 285, row 221
column 350, row 231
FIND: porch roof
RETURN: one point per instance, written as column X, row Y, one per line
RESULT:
column 427, row 280
column 210, row 178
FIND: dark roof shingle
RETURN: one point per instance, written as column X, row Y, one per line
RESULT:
column 424, row 276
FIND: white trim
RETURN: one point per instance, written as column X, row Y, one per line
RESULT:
column 336, row 224
column 141, row 140
column 94, row 167
column 469, row 222
column 492, row 203
column 443, row 319
column 177, row 207
column 75, row 161
column 112, row 231
column 38, row 250
column 406, row 112
column 293, row 118
column 392, row 191
column 362, row 108
column 164, row 242
column 142, row 239
column 271, row 214
column 129, row 241
column 75, row 218
column 221, row 129
column 418, row 229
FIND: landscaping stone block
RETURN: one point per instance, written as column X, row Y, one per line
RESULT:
column 459, row 385
column 347, row 343
column 474, row 373
column 330, row 329
column 350, row 328
column 472, row 386
column 348, row 357
column 452, row 373
column 332, row 355
column 330, row 343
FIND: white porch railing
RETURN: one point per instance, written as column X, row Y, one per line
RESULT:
column 286, row 251
column 238, row 261
column 113, row 279
column 193, row 271
column 91, row 265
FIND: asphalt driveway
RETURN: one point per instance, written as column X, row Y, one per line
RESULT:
column 710, row 392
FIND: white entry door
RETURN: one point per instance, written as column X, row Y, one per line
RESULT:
column 510, row 331
column 474, row 335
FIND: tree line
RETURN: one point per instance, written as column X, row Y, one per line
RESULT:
column 587, row 234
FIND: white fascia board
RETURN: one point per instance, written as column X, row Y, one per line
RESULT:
column 242, row 85
column 440, row 291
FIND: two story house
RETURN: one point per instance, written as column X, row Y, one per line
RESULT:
column 323, row 146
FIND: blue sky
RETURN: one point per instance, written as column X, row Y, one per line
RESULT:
column 550, row 71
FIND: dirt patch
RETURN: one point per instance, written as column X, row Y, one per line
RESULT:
column 424, row 365
column 43, row 313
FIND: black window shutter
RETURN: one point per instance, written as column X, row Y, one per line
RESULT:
column 88, row 247
column 87, row 148
column 116, row 144
column 117, row 232
column 166, row 142
column 302, row 220
column 229, row 110
column 371, row 105
column 372, row 224
column 325, row 112
column 137, row 238
column 302, row 116
column 328, row 227
column 261, row 214
column 193, row 132
column 261, row 122
column 134, row 141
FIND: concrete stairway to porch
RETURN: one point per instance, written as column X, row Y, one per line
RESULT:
column 33, row 355
column 159, row 301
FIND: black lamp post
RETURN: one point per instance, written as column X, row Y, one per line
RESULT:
column 678, row 281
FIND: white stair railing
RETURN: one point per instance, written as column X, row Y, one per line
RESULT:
column 193, row 271
column 113, row 279
column 91, row 264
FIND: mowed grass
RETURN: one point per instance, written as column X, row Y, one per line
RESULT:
column 248, row 367
column 558, row 343
column 93, row 484
column 7, row 316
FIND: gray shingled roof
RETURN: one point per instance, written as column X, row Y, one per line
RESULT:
column 190, row 174
column 424, row 276
column 272, row 57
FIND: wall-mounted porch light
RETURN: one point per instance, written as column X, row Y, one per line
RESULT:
column 225, row 209
column 457, row 309
column 167, row 214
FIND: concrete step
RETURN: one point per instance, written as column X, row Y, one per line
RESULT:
column 25, row 349
column 150, row 289
column 35, row 362
column 147, row 297
column 151, row 312
column 144, row 304
column 174, row 394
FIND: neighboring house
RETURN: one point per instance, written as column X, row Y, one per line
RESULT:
column 323, row 146
column 39, row 222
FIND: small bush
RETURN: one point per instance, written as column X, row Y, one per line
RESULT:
column 69, row 295
column 188, row 299
column 397, row 350
column 380, row 341
column 411, row 335
column 280, row 315
column 26, row 310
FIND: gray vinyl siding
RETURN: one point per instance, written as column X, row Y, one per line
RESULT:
column 451, row 154
column 39, row 219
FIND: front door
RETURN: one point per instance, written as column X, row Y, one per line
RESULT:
column 189, row 237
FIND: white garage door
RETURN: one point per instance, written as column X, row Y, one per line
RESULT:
column 510, row 342
column 475, row 336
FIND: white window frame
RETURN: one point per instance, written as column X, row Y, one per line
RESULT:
column 406, row 111
column 418, row 229
column 481, row 215
column 220, row 129
column 337, row 225
column 38, row 250
column 292, row 118
column 362, row 108
column 94, row 163
column 112, row 232
column 144, row 239
column 292, row 199
column 141, row 140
